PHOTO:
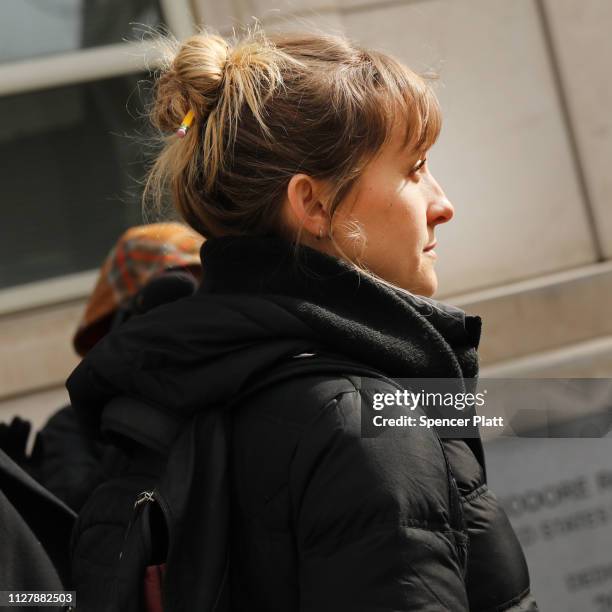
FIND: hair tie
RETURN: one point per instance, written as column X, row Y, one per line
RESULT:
column 185, row 124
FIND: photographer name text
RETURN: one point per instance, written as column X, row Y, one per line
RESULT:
column 424, row 421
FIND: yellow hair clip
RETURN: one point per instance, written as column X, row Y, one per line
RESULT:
column 185, row 124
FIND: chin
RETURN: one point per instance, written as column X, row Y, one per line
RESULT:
column 426, row 287
column 423, row 281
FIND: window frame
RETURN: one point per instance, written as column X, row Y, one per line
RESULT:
column 69, row 68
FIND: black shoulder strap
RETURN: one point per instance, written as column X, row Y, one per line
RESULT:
column 332, row 363
column 316, row 365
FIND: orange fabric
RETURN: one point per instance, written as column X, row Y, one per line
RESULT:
column 140, row 253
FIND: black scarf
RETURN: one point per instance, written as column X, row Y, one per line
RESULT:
column 401, row 334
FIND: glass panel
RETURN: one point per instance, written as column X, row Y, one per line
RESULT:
column 35, row 28
column 69, row 169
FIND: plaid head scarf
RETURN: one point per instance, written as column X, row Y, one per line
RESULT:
column 140, row 254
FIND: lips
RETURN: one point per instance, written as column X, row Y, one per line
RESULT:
column 429, row 247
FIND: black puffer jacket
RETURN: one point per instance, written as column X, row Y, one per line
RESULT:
column 322, row 518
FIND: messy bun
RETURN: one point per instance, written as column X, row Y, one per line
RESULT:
column 268, row 107
column 191, row 81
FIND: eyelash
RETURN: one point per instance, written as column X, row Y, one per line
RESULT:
column 418, row 166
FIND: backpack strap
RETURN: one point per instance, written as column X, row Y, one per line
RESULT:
column 332, row 363
column 318, row 364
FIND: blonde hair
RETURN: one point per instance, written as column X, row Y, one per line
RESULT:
column 267, row 107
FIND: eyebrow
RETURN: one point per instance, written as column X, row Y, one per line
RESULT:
column 408, row 155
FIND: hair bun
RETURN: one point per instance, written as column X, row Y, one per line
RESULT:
column 191, row 80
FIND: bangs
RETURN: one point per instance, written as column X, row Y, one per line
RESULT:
column 408, row 98
column 423, row 119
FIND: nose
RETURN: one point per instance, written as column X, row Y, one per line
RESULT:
column 440, row 209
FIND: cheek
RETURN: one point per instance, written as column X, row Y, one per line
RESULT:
column 405, row 220
column 401, row 241
column 390, row 217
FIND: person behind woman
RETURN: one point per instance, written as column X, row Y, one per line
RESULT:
column 149, row 263
column 302, row 159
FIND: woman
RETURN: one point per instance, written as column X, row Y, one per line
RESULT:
column 302, row 160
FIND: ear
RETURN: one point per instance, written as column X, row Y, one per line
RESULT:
column 305, row 205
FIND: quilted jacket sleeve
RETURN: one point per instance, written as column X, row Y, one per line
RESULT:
column 373, row 520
